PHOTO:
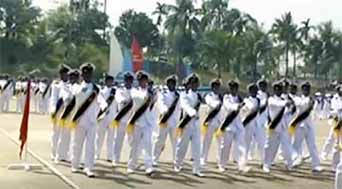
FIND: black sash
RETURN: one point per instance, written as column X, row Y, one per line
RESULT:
column 249, row 117
column 186, row 119
column 124, row 111
column 170, row 111
column 139, row 112
column 228, row 120
column 46, row 91
column 212, row 114
column 262, row 109
column 302, row 116
column 274, row 123
column 59, row 105
column 68, row 109
column 86, row 103
column 36, row 91
column 109, row 101
column 6, row 85
column 338, row 124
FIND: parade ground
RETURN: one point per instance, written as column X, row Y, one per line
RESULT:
column 59, row 175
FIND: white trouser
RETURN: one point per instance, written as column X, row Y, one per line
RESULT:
column 63, row 145
column 141, row 134
column 18, row 108
column 120, row 133
column 306, row 132
column 190, row 132
column 338, row 176
column 45, row 105
column 56, row 132
column 6, row 102
column 105, row 130
column 336, row 153
column 287, row 119
column 239, row 142
column 273, row 140
column 84, row 134
column 160, row 142
column 328, row 144
column 207, row 139
column 250, row 134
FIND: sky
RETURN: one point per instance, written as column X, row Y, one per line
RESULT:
column 265, row 11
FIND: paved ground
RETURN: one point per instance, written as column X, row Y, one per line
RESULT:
column 108, row 177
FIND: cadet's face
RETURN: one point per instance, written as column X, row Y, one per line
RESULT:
column 234, row 90
column 278, row 91
column 143, row 83
column 87, row 76
column 171, row 86
column 253, row 92
column 129, row 82
column 194, row 85
column 73, row 79
column 109, row 82
column 306, row 91
column 293, row 90
column 64, row 77
column 263, row 87
column 216, row 88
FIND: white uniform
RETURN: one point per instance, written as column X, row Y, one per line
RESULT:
column 233, row 133
column 122, row 97
column 23, row 87
column 278, row 136
column 165, row 100
column 142, row 133
column 63, row 145
column 104, row 126
column 191, row 132
column 56, row 95
column 85, row 130
column 260, row 130
column 45, row 92
column 305, row 130
column 18, row 88
column 251, row 105
column 213, row 101
column 2, row 97
column 6, row 95
column 336, row 112
column 35, row 97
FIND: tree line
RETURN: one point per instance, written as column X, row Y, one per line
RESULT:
column 213, row 38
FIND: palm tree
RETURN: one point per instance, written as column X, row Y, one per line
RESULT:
column 284, row 31
column 161, row 11
column 182, row 23
column 217, row 48
column 214, row 13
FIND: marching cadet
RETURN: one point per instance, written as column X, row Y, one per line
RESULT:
column 330, row 140
column 277, row 129
column 169, row 112
column 319, row 104
column 22, row 94
column 105, row 118
column 212, row 120
column 88, row 105
column 337, row 114
column 260, row 130
column 139, row 129
column 45, row 93
column 6, row 93
column 124, row 105
column 302, row 127
column 231, row 129
column 69, row 103
column 56, row 103
column 251, row 108
column 35, row 94
column 18, row 91
column 327, row 105
column 336, row 122
column 188, row 128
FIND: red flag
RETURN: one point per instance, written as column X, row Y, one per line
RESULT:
column 24, row 121
column 137, row 54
